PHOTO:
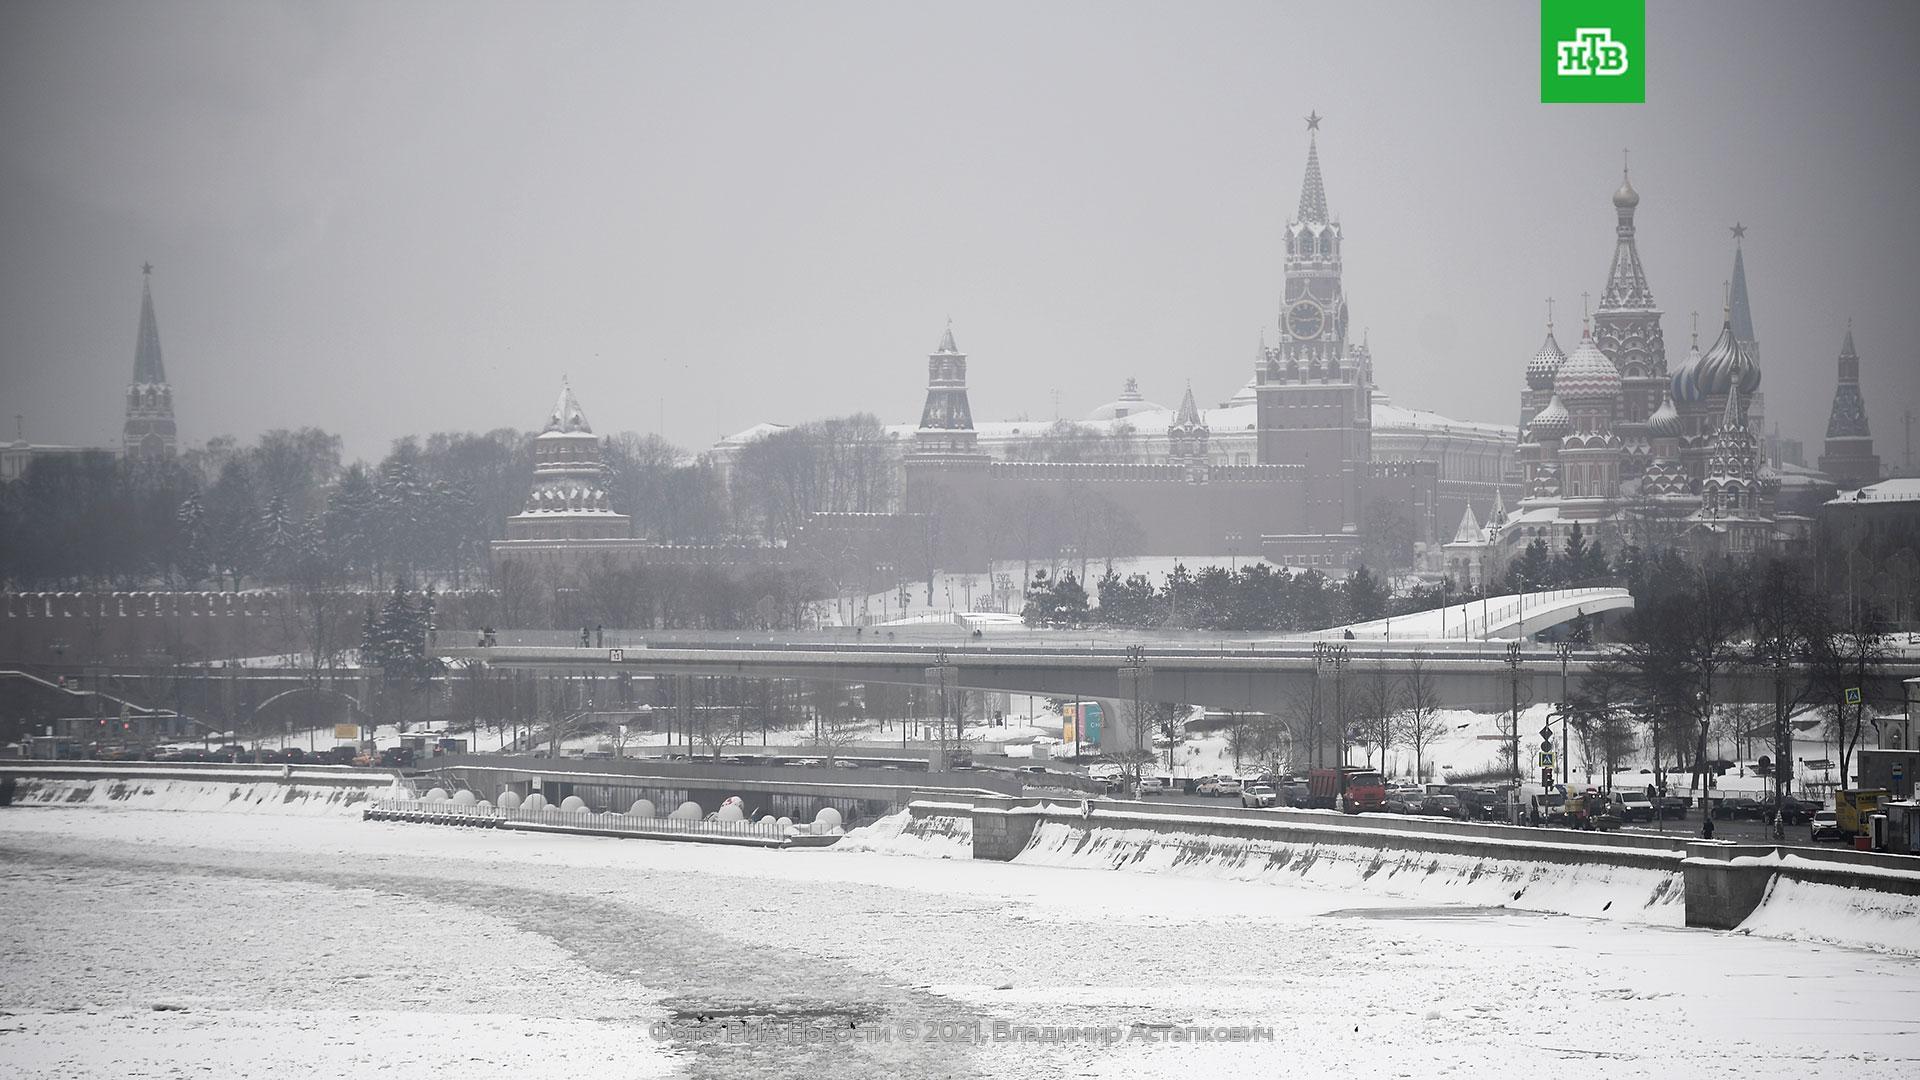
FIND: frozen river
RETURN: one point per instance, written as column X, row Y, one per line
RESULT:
column 143, row 943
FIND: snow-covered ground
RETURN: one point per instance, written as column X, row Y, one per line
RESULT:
column 149, row 943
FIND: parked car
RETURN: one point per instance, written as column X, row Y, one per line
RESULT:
column 1443, row 805
column 1259, row 796
column 1229, row 787
column 1670, row 807
column 396, row 757
column 1149, row 785
column 1208, row 786
column 1826, row 826
column 1740, row 809
column 1295, row 793
column 1479, row 804
column 1405, row 801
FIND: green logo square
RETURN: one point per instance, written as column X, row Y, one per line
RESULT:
column 1593, row 50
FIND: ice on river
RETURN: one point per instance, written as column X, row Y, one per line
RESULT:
column 143, row 943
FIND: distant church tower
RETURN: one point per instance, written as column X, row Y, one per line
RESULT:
column 569, row 499
column 946, row 422
column 1626, row 327
column 1315, row 403
column 148, row 434
column 1849, row 456
column 1187, row 438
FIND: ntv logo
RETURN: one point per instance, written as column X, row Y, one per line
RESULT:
column 1593, row 52
column 1581, row 39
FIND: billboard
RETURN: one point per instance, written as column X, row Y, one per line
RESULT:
column 1084, row 718
column 348, row 732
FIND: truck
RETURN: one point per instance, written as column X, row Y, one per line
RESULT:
column 1854, row 806
column 1350, row 789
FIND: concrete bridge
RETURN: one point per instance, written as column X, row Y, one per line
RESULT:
column 1261, row 676
column 1496, row 618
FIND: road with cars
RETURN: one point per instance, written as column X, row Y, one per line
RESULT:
column 1739, row 831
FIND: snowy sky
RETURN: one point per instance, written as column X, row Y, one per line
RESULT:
column 394, row 218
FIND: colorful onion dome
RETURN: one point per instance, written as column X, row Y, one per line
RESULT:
column 1665, row 421
column 1685, row 383
column 1541, row 369
column 1552, row 422
column 1587, row 375
column 1728, row 364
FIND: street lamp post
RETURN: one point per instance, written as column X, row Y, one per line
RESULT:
column 1134, row 674
column 1782, row 750
column 937, row 674
column 1565, row 649
column 1327, row 656
column 1513, row 661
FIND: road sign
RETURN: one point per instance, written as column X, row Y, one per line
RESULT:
column 616, row 655
column 1546, row 733
column 1853, row 695
column 1546, row 759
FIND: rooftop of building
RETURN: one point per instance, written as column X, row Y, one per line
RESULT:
column 1903, row 489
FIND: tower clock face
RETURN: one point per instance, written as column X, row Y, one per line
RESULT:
column 1305, row 319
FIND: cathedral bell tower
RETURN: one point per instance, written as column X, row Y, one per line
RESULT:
column 1314, row 399
column 1626, row 327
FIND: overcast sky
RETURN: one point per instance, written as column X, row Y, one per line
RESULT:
column 385, row 219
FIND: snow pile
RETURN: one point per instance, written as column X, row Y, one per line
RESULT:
column 1633, row 894
column 1817, row 911
column 200, row 796
column 941, row 835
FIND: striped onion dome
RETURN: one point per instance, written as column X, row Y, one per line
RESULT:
column 1587, row 375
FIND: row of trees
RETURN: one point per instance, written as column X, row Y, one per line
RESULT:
column 1373, row 710
column 1255, row 597
column 1693, row 624
column 287, row 511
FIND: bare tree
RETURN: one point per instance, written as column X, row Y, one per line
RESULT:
column 840, row 725
column 1599, row 717
column 1848, row 653
column 1419, row 721
column 1378, row 701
